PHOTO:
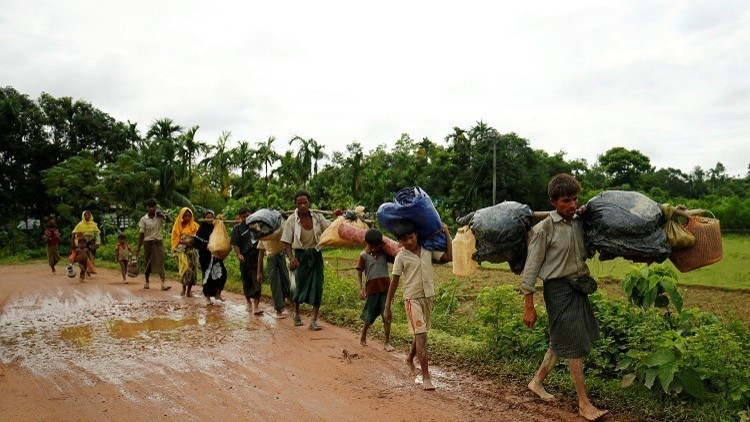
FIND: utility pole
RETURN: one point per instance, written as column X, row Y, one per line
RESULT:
column 494, row 169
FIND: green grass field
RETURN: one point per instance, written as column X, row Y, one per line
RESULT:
column 732, row 272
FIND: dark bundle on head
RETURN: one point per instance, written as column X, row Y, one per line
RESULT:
column 121, row 236
column 402, row 228
column 563, row 184
column 373, row 237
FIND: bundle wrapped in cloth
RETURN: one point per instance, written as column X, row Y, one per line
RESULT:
column 264, row 222
column 218, row 241
column 625, row 224
column 332, row 236
column 414, row 205
column 389, row 246
column 500, row 232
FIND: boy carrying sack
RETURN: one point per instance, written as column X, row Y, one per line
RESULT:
column 414, row 264
column 374, row 263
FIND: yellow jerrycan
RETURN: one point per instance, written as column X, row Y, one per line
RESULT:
column 464, row 245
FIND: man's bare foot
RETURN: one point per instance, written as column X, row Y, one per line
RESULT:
column 219, row 298
column 208, row 301
column 410, row 366
column 591, row 413
column 280, row 315
column 388, row 348
column 188, row 294
column 539, row 390
column 427, row 384
column 257, row 311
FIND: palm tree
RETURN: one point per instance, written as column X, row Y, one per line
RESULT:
column 220, row 163
column 288, row 172
column 189, row 149
column 305, row 156
column 243, row 157
column 162, row 152
column 266, row 154
column 317, row 154
column 355, row 163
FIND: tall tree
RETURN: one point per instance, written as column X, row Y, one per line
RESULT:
column 219, row 164
column 267, row 156
column 304, row 156
column 317, row 154
column 625, row 167
column 162, row 150
column 189, row 150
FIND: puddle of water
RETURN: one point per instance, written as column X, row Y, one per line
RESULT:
column 79, row 335
column 128, row 330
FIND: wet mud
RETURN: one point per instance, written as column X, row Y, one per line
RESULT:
column 105, row 350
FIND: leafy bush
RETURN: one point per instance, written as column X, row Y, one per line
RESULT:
column 654, row 285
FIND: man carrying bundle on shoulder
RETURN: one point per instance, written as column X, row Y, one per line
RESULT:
column 557, row 254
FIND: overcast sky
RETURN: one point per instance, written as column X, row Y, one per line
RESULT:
column 668, row 78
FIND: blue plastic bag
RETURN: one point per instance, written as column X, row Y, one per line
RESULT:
column 413, row 204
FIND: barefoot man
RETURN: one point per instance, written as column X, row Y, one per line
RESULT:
column 557, row 254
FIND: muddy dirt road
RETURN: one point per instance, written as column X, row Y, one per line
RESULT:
column 103, row 350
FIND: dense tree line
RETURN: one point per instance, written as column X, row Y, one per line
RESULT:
column 59, row 155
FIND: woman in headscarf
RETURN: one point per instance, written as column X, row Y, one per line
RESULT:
column 89, row 230
column 212, row 268
column 183, row 232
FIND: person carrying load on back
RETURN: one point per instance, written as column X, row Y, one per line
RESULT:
column 557, row 254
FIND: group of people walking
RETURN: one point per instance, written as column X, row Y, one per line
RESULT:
column 556, row 254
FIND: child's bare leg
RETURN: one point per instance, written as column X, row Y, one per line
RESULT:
column 189, row 288
column 218, row 296
column 421, row 340
column 314, row 314
column 585, row 408
column 363, row 334
column 184, row 289
column 410, row 357
column 535, row 385
column 387, row 333
column 82, row 267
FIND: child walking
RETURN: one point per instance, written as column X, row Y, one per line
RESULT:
column 557, row 254
column 122, row 254
column 52, row 239
column 83, row 257
column 414, row 264
column 374, row 263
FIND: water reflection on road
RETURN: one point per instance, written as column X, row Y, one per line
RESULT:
column 111, row 336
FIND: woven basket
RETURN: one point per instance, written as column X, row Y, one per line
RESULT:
column 707, row 249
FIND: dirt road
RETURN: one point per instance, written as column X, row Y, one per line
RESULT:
column 103, row 350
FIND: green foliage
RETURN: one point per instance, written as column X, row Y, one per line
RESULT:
column 655, row 285
column 499, row 311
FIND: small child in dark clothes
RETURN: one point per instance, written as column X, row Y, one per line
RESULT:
column 122, row 254
column 52, row 239
column 82, row 256
column 374, row 263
